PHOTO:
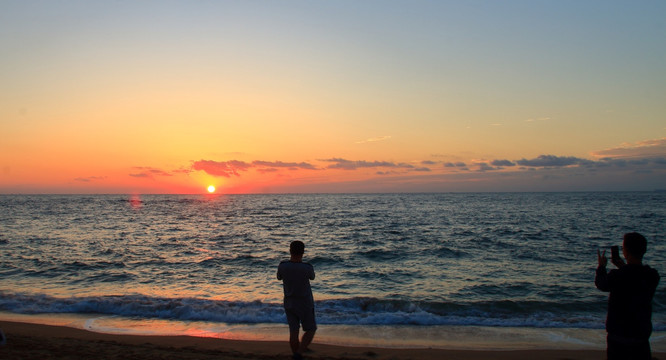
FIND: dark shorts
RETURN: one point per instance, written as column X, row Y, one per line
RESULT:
column 301, row 316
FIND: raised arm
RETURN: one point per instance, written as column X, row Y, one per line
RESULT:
column 601, row 278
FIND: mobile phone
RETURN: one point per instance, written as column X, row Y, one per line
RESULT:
column 615, row 252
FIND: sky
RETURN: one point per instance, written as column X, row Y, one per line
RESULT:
column 251, row 96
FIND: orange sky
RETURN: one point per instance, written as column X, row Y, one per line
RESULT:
column 170, row 97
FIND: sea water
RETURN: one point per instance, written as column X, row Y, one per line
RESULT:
column 436, row 266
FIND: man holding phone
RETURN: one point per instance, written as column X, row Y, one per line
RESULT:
column 632, row 286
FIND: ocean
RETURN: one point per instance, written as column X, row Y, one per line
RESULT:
column 393, row 269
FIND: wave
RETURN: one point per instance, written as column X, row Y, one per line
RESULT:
column 144, row 307
column 352, row 311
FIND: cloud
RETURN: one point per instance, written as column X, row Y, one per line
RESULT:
column 267, row 170
column 280, row 164
column 182, row 171
column 375, row 139
column 502, row 163
column 356, row 164
column 234, row 167
column 90, row 178
column 657, row 163
column 546, row 171
column 221, row 168
column 393, row 172
column 457, row 164
column 148, row 172
column 646, row 148
column 159, row 172
column 538, row 119
column 555, row 162
column 485, row 167
column 552, row 161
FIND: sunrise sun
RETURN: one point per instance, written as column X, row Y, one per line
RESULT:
column 211, row 189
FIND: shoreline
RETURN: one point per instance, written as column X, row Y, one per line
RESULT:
column 448, row 337
column 37, row 341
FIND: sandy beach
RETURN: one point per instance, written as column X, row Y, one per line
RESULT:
column 34, row 341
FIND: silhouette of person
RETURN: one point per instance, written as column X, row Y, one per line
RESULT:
column 632, row 286
column 298, row 300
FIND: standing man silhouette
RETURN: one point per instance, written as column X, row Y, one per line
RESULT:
column 631, row 286
column 298, row 301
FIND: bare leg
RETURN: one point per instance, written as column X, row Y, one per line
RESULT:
column 307, row 339
column 293, row 341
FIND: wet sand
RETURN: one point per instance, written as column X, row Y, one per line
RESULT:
column 34, row 341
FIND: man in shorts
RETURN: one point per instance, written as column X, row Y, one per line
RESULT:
column 298, row 301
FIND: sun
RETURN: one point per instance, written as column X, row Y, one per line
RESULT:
column 211, row 189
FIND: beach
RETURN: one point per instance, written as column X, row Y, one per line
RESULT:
column 458, row 174
column 35, row 341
